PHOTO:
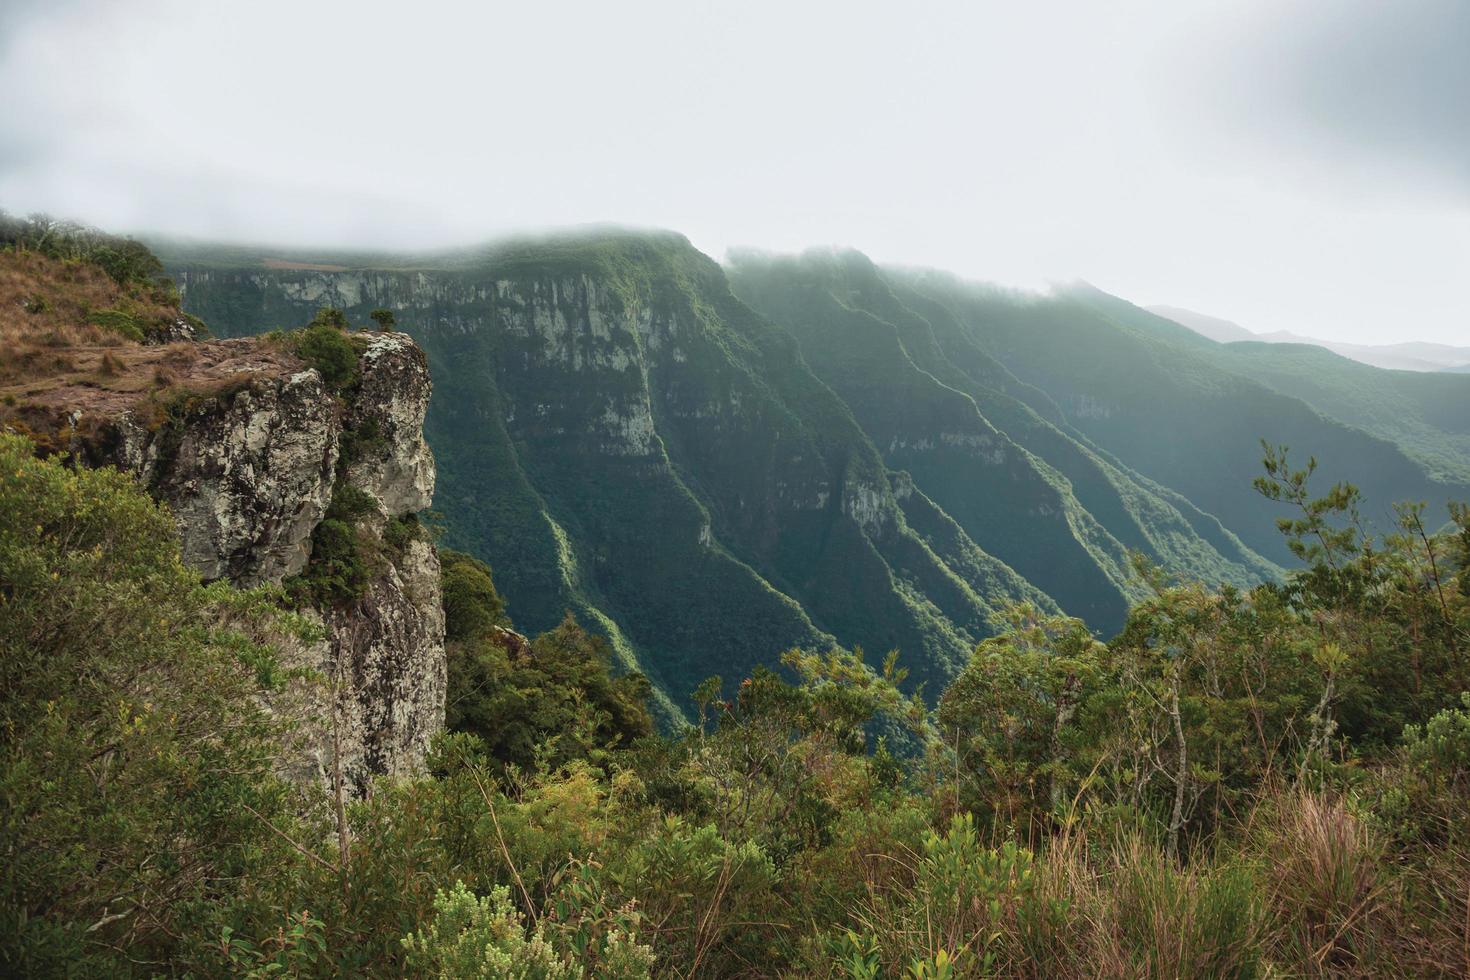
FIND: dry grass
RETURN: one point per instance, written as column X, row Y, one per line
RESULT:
column 46, row 302
column 1326, row 887
column 58, row 362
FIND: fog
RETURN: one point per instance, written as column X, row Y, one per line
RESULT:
column 1297, row 165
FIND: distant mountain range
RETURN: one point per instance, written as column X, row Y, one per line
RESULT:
column 1406, row 356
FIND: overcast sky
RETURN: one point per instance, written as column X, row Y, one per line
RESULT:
column 1289, row 164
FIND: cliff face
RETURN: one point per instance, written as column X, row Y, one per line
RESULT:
column 621, row 437
column 248, row 475
column 249, row 447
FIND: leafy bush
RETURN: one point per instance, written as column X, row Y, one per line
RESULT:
column 1179, row 802
column 343, row 560
column 326, row 348
column 488, row 937
column 135, row 755
column 545, row 702
column 471, row 604
column 483, row 937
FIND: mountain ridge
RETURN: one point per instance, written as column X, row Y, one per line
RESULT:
column 710, row 464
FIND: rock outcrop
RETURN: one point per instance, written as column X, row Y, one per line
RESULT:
column 395, row 465
column 248, row 475
column 248, row 446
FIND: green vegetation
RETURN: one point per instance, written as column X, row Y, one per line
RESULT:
column 383, row 317
column 343, row 552
column 1262, row 782
column 548, row 700
column 126, row 261
column 1187, row 413
column 324, row 345
column 137, row 765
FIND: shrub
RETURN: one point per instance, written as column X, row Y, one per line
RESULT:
column 483, row 937
column 327, row 349
column 471, row 604
column 489, row 937
column 134, row 748
column 120, row 322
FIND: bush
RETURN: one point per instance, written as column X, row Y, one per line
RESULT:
column 120, row 322
column 471, row 604
column 488, row 937
column 327, row 349
column 135, row 754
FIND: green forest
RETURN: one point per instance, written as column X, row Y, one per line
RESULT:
column 1235, row 766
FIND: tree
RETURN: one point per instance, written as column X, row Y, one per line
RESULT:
column 471, row 604
column 330, row 316
column 384, row 318
column 1011, row 715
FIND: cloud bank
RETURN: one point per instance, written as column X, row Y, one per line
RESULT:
column 1291, row 166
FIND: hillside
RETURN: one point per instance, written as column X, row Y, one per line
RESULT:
column 1424, row 413
column 1213, row 327
column 1405, row 356
column 1180, row 409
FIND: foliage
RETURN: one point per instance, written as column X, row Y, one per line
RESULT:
column 546, row 701
column 1011, row 716
column 343, row 551
column 137, row 770
column 126, row 261
column 487, row 937
column 1262, row 782
column 471, row 604
column 325, row 346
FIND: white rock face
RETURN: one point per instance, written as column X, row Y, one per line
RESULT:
column 396, row 467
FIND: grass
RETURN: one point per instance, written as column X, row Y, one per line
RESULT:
column 46, row 302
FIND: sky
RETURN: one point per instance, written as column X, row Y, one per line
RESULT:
column 1297, row 165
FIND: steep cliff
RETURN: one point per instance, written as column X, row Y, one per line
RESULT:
column 275, row 476
column 710, row 464
column 620, row 436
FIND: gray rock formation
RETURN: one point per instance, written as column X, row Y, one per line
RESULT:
column 249, row 472
column 248, row 475
column 394, row 464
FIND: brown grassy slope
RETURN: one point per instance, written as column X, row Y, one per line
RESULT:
column 54, row 361
column 51, row 303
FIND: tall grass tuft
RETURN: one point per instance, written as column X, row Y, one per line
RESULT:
column 1326, row 888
